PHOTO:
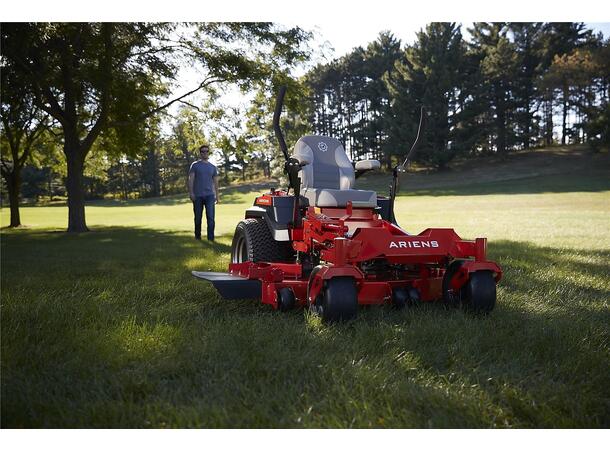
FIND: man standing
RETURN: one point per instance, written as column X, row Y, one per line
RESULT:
column 203, row 190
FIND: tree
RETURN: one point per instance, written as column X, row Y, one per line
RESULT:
column 529, row 47
column 597, row 126
column 23, row 124
column 379, row 58
column 350, row 98
column 498, row 65
column 581, row 76
column 259, row 135
column 227, row 130
column 428, row 75
column 46, row 157
column 560, row 38
column 107, row 78
column 151, row 162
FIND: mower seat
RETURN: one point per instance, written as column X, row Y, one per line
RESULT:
column 327, row 176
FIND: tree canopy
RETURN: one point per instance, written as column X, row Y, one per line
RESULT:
column 94, row 109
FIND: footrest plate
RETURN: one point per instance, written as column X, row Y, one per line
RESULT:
column 231, row 286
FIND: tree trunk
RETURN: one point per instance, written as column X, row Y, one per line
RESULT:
column 13, row 182
column 528, row 119
column 74, row 186
column 565, row 116
column 389, row 161
column 501, row 125
column 156, row 184
column 123, row 187
column 548, row 126
column 50, row 185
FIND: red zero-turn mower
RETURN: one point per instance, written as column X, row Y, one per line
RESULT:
column 331, row 247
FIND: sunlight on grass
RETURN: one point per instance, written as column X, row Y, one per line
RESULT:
column 142, row 341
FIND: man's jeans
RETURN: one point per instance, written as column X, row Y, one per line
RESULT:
column 198, row 204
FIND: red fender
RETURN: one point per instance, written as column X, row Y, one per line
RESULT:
column 469, row 266
column 326, row 273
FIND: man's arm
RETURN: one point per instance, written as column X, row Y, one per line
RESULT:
column 215, row 178
column 191, row 184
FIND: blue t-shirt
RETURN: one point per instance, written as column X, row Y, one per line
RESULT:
column 204, row 172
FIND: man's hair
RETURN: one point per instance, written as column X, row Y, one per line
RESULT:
column 204, row 146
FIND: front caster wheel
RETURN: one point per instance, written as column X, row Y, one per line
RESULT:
column 285, row 299
column 479, row 294
column 402, row 297
column 339, row 300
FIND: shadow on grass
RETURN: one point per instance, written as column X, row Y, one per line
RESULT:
column 108, row 329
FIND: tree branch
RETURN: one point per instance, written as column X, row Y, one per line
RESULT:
column 9, row 132
column 42, row 91
column 106, row 62
column 42, row 125
column 205, row 83
column 5, row 168
column 202, row 85
column 191, row 105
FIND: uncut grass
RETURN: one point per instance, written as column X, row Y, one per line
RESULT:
column 108, row 329
column 128, row 339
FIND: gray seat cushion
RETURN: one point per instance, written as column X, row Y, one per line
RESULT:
column 328, row 177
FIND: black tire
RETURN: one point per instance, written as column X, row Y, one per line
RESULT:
column 479, row 294
column 254, row 242
column 414, row 297
column 286, row 299
column 339, row 300
column 450, row 298
column 400, row 298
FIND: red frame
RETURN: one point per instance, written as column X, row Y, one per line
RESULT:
column 347, row 237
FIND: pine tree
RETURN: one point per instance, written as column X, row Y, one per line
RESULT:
column 429, row 76
column 379, row 59
column 561, row 38
column 498, row 65
column 528, row 44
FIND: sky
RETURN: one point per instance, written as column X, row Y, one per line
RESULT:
column 345, row 37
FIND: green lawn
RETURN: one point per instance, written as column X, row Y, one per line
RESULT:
column 108, row 328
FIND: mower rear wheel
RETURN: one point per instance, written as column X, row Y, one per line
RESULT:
column 479, row 294
column 339, row 300
column 254, row 242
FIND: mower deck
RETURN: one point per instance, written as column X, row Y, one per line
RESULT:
column 371, row 239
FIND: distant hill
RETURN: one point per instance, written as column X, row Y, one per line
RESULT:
column 554, row 169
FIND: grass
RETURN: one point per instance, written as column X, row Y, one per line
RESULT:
column 108, row 328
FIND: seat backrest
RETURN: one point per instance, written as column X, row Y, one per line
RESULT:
column 328, row 165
